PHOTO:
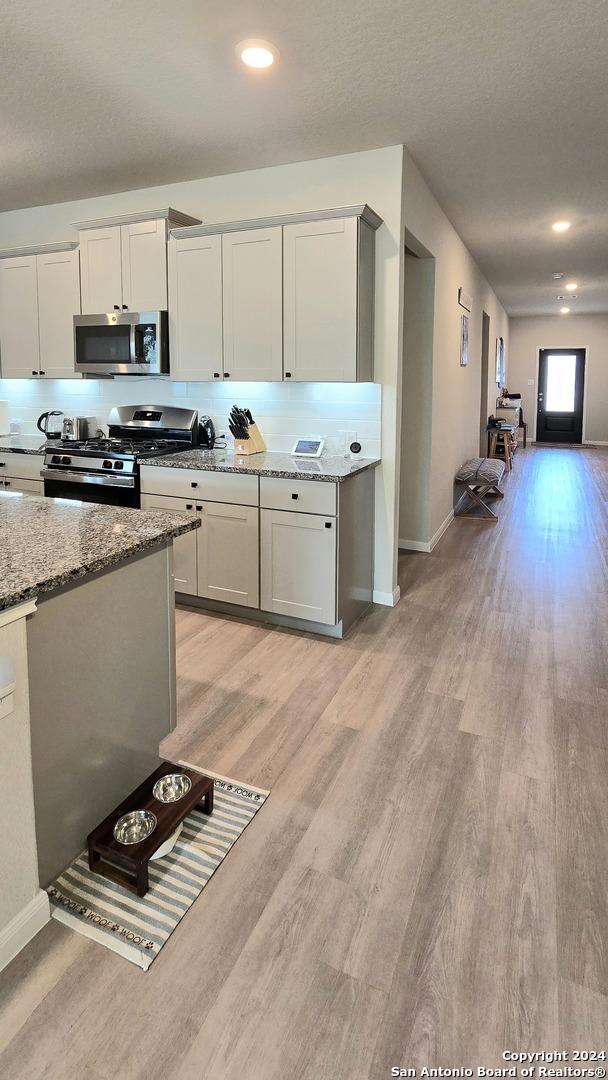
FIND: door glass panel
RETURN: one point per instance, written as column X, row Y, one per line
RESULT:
column 561, row 377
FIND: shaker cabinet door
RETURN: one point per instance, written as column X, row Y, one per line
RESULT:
column 298, row 565
column 228, row 554
column 101, row 270
column 144, row 265
column 253, row 304
column 195, row 308
column 184, row 547
column 320, row 300
column 58, row 302
column 19, row 341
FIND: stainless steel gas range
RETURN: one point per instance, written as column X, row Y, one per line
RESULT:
column 107, row 470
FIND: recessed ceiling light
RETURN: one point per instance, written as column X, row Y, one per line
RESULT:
column 556, row 277
column 564, row 310
column 560, row 226
column 571, row 286
column 256, row 53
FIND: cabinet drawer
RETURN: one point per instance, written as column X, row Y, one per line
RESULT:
column 26, row 487
column 199, row 484
column 24, row 466
column 305, row 496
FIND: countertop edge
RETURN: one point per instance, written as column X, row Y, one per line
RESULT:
column 245, row 469
column 100, row 562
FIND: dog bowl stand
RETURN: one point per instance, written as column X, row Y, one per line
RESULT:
column 127, row 864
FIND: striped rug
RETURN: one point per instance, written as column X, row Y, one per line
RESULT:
column 138, row 928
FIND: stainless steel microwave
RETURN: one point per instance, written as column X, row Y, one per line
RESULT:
column 122, row 343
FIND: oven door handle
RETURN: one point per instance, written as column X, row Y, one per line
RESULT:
column 102, row 479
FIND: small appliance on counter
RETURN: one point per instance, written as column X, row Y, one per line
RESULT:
column 79, row 428
column 206, row 432
column 104, row 470
column 50, row 425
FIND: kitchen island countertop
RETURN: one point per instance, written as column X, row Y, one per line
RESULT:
column 46, row 543
column 330, row 469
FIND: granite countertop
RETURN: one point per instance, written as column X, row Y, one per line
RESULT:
column 45, row 543
column 332, row 470
column 22, row 444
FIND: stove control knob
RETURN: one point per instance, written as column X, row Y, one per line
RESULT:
column 107, row 465
column 66, row 461
column 119, row 464
column 55, row 460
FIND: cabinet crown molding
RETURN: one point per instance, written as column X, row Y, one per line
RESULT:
column 364, row 212
column 37, row 249
column 174, row 217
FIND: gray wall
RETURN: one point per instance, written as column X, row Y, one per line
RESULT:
column 589, row 332
column 418, row 317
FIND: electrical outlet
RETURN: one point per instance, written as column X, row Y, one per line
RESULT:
column 346, row 438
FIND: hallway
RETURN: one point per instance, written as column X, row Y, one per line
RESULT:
column 427, row 883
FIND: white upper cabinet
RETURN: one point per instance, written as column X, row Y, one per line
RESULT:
column 19, row 342
column 58, row 302
column 253, row 300
column 124, row 261
column 101, row 270
column 195, row 308
column 320, row 301
column 144, row 265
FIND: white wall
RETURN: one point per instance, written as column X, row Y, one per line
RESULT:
column 373, row 177
column 456, row 390
column 589, row 332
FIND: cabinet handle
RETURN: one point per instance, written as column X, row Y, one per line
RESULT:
column 294, row 496
column 2, row 464
column 288, row 374
column 7, row 483
column 216, row 374
column 193, row 483
column 116, row 307
column 328, row 524
column 125, row 307
column 226, row 374
column 188, row 506
column 42, row 372
column 34, row 372
column 201, row 508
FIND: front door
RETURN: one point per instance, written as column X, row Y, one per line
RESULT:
column 561, row 381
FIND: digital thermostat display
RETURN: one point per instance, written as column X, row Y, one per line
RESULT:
column 308, row 447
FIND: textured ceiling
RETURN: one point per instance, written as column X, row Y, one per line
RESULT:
column 504, row 107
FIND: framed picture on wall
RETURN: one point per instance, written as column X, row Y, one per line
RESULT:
column 500, row 361
column 464, row 340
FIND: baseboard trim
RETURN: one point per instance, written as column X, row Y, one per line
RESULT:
column 594, row 442
column 428, row 545
column 23, row 927
column 387, row 599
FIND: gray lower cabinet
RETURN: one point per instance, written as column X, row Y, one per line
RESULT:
column 219, row 561
column 228, row 554
column 298, row 565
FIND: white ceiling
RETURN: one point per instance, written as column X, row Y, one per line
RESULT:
column 503, row 106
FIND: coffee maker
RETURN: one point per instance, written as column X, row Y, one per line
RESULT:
column 206, row 432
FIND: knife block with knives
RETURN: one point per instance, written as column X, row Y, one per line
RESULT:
column 248, row 438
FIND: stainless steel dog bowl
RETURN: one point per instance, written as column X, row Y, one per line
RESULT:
column 134, row 827
column 172, row 788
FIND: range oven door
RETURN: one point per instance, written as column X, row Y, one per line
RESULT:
column 110, row 490
column 122, row 343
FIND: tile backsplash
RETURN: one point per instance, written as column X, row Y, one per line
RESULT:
column 335, row 411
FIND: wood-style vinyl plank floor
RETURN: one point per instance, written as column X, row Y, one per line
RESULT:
column 428, row 883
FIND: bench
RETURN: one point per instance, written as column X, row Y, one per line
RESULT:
column 480, row 478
